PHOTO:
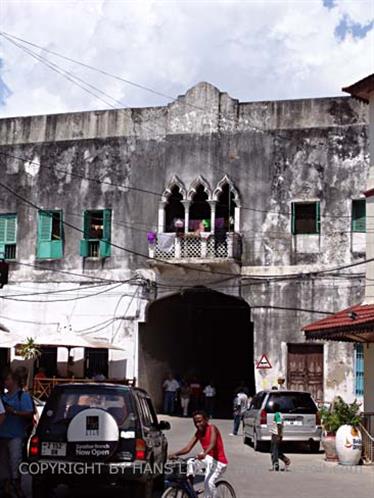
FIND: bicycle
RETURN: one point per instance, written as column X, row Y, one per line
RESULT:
column 179, row 486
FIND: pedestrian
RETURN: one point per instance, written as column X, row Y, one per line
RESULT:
column 185, row 395
column 239, row 408
column 171, row 386
column 196, row 392
column 276, row 440
column 209, row 398
column 211, row 459
column 19, row 412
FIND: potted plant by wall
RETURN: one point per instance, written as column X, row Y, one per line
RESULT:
column 348, row 436
column 330, row 423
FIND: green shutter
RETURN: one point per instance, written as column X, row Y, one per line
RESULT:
column 46, row 247
column 359, row 215
column 86, row 224
column 105, row 247
column 83, row 248
column 8, row 229
column 2, row 250
column 293, row 218
column 318, row 217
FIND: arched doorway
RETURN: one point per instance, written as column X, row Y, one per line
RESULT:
column 201, row 333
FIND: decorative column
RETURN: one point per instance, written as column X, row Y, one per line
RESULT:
column 186, row 205
column 161, row 216
column 230, row 244
column 212, row 216
column 237, row 220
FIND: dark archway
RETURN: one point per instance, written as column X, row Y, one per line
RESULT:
column 199, row 210
column 201, row 333
column 174, row 210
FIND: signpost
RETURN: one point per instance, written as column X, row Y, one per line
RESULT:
column 263, row 362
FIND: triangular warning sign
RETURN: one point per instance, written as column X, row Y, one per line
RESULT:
column 263, row 362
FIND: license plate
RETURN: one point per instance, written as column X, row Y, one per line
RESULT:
column 293, row 422
column 53, row 449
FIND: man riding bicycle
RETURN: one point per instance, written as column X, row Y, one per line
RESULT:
column 212, row 459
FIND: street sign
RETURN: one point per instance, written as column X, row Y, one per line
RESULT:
column 263, row 362
column 4, row 269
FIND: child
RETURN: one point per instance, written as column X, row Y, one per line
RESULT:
column 276, row 440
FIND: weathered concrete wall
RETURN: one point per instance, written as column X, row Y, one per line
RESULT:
column 274, row 152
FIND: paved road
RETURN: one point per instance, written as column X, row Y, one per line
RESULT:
column 309, row 475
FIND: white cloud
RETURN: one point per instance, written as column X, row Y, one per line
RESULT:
column 254, row 50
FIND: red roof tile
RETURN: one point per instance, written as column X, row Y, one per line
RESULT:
column 346, row 320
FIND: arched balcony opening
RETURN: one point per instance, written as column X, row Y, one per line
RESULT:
column 200, row 211
column 174, row 211
column 225, row 210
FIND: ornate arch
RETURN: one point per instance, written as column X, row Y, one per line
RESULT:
column 226, row 180
column 174, row 182
column 195, row 184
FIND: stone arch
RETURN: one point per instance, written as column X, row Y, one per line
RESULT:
column 175, row 181
column 199, row 181
column 226, row 180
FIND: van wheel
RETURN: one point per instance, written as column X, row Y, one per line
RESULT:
column 314, row 446
column 42, row 488
column 142, row 489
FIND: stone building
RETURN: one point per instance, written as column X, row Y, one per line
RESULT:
column 200, row 236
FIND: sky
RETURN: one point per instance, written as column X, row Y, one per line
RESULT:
column 251, row 49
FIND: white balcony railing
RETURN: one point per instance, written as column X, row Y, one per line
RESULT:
column 190, row 246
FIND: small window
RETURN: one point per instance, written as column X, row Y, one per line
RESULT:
column 359, row 377
column 358, row 215
column 306, row 218
column 50, row 235
column 97, row 234
column 8, row 236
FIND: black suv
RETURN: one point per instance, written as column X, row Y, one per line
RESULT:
column 94, row 434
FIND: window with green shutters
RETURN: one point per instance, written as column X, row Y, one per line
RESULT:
column 305, row 218
column 97, row 234
column 50, row 244
column 358, row 215
column 8, row 236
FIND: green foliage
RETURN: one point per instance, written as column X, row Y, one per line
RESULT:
column 29, row 350
column 340, row 413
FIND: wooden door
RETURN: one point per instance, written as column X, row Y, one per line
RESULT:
column 305, row 369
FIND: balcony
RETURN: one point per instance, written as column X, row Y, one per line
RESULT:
column 205, row 246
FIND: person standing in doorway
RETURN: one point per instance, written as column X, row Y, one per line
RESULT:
column 209, row 398
column 171, row 386
column 196, row 392
column 276, row 440
column 185, row 395
column 239, row 408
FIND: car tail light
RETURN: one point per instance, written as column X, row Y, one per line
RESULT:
column 263, row 417
column 140, row 449
column 318, row 418
column 34, row 446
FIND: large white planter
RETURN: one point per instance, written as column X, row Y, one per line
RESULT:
column 348, row 445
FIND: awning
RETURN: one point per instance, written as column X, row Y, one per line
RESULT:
column 63, row 339
column 354, row 324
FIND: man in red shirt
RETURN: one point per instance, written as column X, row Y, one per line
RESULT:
column 212, row 458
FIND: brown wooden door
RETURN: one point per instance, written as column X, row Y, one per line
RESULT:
column 305, row 369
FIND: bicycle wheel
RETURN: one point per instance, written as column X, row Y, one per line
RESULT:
column 175, row 493
column 225, row 490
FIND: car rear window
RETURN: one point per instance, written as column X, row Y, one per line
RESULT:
column 64, row 405
column 291, row 403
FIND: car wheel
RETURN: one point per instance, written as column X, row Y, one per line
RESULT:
column 257, row 445
column 314, row 446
